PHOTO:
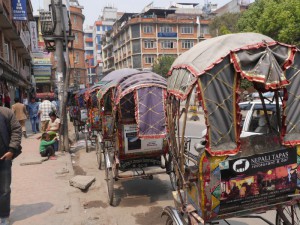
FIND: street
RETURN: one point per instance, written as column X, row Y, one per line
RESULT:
column 43, row 197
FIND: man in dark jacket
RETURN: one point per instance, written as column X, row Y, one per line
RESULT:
column 10, row 147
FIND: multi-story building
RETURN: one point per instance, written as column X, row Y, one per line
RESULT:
column 102, row 25
column 89, row 53
column 234, row 6
column 78, row 73
column 137, row 40
column 15, row 48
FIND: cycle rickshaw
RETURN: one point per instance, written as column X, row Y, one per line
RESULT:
column 229, row 174
column 132, row 105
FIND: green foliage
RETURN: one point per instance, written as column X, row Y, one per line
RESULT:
column 278, row 19
column 225, row 24
column 245, row 84
column 163, row 65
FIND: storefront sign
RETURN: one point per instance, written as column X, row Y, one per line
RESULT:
column 19, row 9
column 33, row 36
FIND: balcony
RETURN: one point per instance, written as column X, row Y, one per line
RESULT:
column 167, row 34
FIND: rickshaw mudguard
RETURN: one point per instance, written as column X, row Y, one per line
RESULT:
column 269, row 177
column 174, row 215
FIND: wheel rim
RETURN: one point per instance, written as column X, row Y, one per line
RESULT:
column 292, row 214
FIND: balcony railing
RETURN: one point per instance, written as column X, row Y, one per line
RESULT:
column 167, row 34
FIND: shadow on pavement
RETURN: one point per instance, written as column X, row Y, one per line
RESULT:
column 22, row 212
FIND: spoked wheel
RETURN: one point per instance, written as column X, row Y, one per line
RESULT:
column 288, row 215
column 110, row 182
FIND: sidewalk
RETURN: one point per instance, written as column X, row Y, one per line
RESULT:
column 39, row 195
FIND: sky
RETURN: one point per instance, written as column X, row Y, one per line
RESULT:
column 92, row 8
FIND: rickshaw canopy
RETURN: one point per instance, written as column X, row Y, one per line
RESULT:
column 143, row 91
column 216, row 66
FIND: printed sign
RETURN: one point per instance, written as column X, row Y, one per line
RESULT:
column 258, row 180
column 133, row 144
column 33, row 36
column 19, row 9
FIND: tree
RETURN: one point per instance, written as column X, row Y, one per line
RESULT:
column 278, row 19
column 224, row 24
column 163, row 65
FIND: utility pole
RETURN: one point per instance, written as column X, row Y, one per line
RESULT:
column 61, row 70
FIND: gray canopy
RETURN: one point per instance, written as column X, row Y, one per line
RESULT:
column 216, row 66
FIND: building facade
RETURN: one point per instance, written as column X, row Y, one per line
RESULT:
column 89, row 53
column 137, row 40
column 15, row 48
column 234, row 6
column 78, row 71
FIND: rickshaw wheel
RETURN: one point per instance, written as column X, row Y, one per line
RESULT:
column 169, row 221
column 98, row 153
column 110, row 185
column 288, row 215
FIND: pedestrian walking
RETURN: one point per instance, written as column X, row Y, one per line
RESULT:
column 10, row 148
column 33, row 111
column 45, row 108
column 20, row 111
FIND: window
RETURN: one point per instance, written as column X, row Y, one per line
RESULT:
column 148, row 29
column 149, row 59
column 77, row 57
column 187, row 29
column 76, row 37
column 89, row 44
column 166, row 29
column 149, row 44
column 6, row 54
column 187, row 44
column 168, row 44
column 98, row 28
column 75, row 19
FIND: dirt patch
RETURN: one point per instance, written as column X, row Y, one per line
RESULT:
column 78, row 170
column 153, row 216
column 95, row 204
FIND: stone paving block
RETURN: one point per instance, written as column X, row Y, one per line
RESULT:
column 62, row 171
column 82, row 182
column 31, row 161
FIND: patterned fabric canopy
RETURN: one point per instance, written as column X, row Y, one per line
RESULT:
column 145, row 93
column 216, row 66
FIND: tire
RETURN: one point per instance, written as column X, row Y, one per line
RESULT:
column 110, row 184
column 98, row 153
column 169, row 221
column 288, row 215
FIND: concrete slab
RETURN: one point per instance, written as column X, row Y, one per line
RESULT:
column 62, row 171
column 82, row 182
column 32, row 161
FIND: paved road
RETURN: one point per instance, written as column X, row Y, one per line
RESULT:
column 138, row 201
